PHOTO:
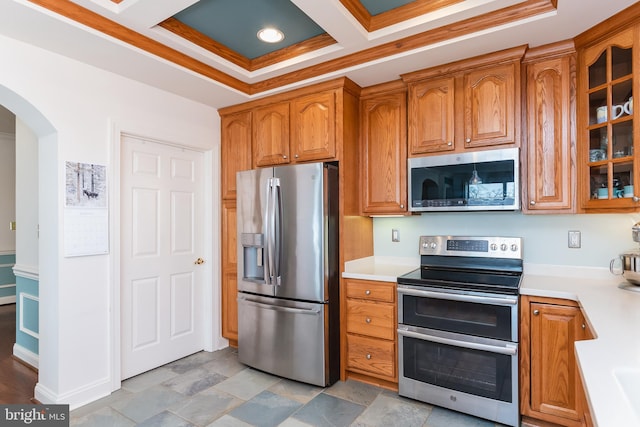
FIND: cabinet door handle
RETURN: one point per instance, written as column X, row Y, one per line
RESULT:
column 284, row 157
column 536, row 312
column 368, row 356
column 296, row 156
column 532, row 203
column 367, row 292
column 468, row 140
column 450, row 143
column 369, row 320
column 401, row 206
column 584, row 326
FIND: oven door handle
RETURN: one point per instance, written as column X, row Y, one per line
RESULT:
column 458, row 297
column 510, row 350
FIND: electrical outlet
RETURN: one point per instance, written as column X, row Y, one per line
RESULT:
column 395, row 235
column 574, row 239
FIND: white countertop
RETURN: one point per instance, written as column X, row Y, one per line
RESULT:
column 384, row 269
column 613, row 314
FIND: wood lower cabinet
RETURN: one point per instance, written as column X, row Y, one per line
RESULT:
column 549, row 154
column 550, row 385
column 235, row 154
column 229, row 266
column 369, row 339
column 383, row 149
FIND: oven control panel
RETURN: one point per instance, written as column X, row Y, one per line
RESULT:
column 493, row 247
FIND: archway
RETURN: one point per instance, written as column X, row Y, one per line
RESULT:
column 48, row 230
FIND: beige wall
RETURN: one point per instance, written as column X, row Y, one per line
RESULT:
column 7, row 121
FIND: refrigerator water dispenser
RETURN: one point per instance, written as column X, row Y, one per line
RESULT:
column 252, row 256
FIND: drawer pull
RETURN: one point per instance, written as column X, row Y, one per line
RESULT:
column 367, row 292
column 367, row 320
column 536, row 312
column 368, row 356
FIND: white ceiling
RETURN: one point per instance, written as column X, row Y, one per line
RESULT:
column 22, row 20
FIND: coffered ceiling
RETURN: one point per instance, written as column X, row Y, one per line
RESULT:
column 207, row 50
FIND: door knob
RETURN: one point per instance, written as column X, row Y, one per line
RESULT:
column 199, row 261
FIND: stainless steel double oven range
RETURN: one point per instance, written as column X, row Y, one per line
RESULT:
column 458, row 326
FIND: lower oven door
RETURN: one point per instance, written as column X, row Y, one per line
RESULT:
column 474, row 375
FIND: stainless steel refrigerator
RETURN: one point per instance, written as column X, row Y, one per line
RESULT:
column 288, row 278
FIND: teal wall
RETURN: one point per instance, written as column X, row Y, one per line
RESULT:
column 27, row 319
column 7, row 278
column 545, row 237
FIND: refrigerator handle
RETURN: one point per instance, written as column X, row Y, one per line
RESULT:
column 268, row 232
column 277, row 229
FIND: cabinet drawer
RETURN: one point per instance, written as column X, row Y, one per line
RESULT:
column 373, row 319
column 371, row 290
column 371, row 355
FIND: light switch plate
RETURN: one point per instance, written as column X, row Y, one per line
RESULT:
column 574, row 239
column 12, row 226
column 395, row 235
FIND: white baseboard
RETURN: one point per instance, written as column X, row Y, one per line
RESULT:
column 26, row 356
column 74, row 398
column 11, row 299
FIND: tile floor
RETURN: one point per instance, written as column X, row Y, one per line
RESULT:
column 214, row 389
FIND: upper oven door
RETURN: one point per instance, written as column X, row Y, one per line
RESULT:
column 482, row 180
column 494, row 316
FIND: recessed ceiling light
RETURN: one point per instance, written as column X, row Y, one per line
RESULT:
column 270, row 35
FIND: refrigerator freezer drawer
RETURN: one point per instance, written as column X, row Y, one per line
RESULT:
column 284, row 338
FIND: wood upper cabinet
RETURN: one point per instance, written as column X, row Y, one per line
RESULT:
column 431, row 116
column 549, row 151
column 235, row 150
column 469, row 104
column 304, row 128
column 608, row 73
column 271, row 135
column 383, row 137
column 551, row 389
column 313, row 127
column 490, row 114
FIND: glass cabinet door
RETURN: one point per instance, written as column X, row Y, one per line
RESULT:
column 611, row 165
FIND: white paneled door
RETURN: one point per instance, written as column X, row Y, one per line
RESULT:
column 161, row 254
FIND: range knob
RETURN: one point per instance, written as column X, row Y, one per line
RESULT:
column 503, row 247
column 433, row 245
column 514, row 247
column 494, row 247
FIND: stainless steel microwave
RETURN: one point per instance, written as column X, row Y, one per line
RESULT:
column 476, row 181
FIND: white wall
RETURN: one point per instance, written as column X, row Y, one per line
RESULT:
column 77, row 112
column 26, row 198
column 604, row 236
column 7, row 192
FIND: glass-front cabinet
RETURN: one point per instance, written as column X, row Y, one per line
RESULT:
column 607, row 158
